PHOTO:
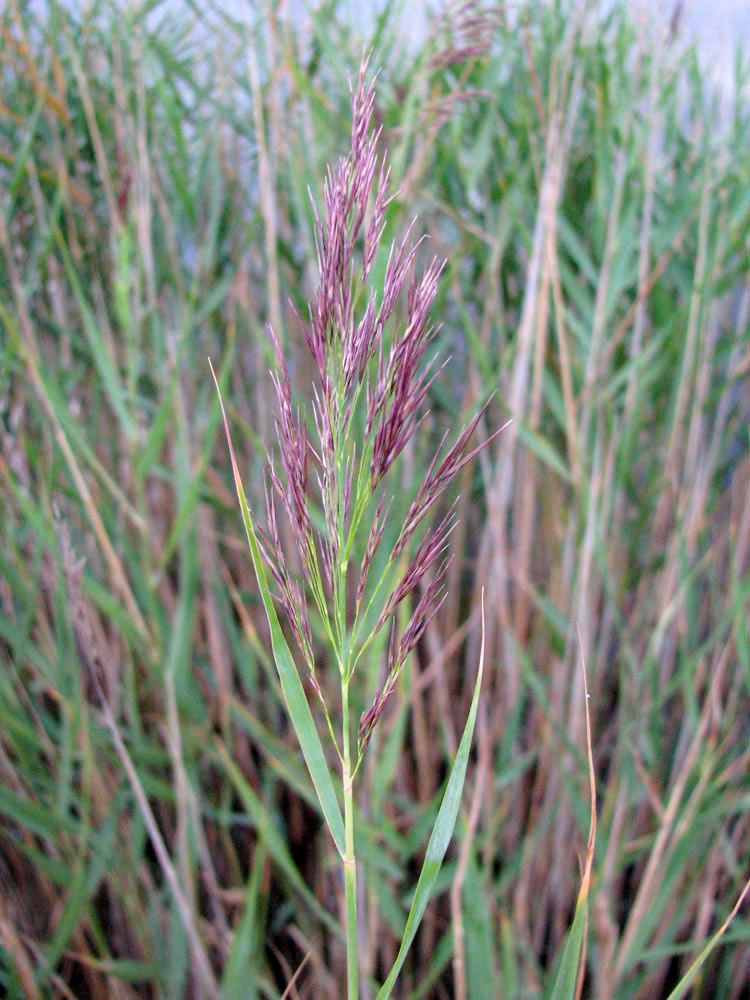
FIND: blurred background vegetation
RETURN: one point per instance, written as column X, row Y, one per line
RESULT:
column 158, row 833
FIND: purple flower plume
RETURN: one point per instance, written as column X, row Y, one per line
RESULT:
column 370, row 391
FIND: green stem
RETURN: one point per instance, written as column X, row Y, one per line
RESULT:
column 350, row 871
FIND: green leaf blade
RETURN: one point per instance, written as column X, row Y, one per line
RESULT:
column 291, row 685
column 566, row 983
column 441, row 832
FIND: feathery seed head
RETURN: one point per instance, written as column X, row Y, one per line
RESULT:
column 371, row 391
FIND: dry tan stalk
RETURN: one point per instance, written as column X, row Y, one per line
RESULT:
column 30, row 352
column 676, row 444
column 53, row 101
column 666, row 830
column 591, row 843
column 201, row 962
column 142, row 197
column 291, row 986
column 13, row 945
column 267, row 199
column 603, row 285
column 326, row 982
column 526, row 494
column 102, row 160
column 92, row 657
column 605, row 928
column 218, row 651
column 565, row 363
column 644, row 253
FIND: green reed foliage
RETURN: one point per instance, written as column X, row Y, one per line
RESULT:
column 589, row 192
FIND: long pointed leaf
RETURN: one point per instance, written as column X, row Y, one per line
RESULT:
column 567, row 975
column 441, row 832
column 291, row 685
column 687, row 980
column 272, row 839
column 569, row 979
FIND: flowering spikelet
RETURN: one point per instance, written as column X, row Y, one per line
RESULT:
column 369, row 392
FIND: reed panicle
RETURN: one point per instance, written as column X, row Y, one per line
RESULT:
column 360, row 379
column 329, row 473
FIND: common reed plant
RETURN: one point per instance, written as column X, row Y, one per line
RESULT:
column 367, row 402
column 586, row 186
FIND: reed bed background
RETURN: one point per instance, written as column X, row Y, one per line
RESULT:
column 592, row 199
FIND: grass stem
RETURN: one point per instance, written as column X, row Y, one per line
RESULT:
column 350, row 870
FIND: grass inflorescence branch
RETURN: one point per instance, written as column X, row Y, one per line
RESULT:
column 361, row 381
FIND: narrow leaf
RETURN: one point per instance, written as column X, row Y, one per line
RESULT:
column 271, row 839
column 687, row 980
column 106, row 366
column 544, row 451
column 441, row 833
column 241, row 967
column 291, row 685
column 567, row 975
column 569, row 979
